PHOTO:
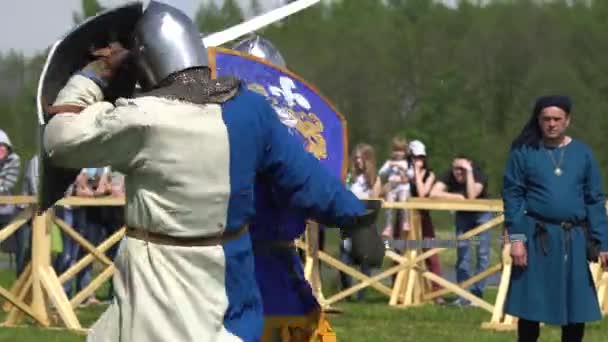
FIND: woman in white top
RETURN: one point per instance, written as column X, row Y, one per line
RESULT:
column 363, row 179
column 364, row 182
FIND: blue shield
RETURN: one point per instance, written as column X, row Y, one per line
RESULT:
column 307, row 113
column 321, row 129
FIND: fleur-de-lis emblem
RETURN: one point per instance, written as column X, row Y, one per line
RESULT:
column 286, row 91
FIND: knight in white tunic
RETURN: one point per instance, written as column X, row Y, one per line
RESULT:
column 190, row 148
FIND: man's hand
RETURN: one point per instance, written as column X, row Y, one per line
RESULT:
column 101, row 190
column 82, row 191
column 519, row 253
column 117, row 191
column 109, row 59
column 82, row 188
column 464, row 164
column 604, row 260
column 103, row 186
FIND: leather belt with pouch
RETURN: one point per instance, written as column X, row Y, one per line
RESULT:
column 196, row 241
column 540, row 232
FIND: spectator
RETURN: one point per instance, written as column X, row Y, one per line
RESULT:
column 69, row 254
column 421, row 185
column 117, row 184
column 113, row 216
column 91, row 182
column 29, row 188
column 467, row 181
column 397, row 188
column 363, row 181
column 10, row 167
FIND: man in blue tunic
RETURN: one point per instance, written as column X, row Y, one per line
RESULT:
column 287, row 297
column 556, row 217
column 190, row 149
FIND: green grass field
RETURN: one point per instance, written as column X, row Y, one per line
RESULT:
column 371, row 320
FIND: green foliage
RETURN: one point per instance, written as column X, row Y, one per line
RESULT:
column 210, row 18
column 460, row 79
column 89, row 9
column 256, row 7
column 17, row 101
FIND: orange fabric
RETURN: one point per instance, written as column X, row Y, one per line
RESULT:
column 313, row 327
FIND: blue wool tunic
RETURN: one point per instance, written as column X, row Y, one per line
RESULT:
column 556, row 287
column 279, row 271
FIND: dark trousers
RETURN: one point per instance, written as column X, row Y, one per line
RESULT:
column 529, row 331
column 23, row 237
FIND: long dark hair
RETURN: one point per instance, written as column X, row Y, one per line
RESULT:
column 530, row 135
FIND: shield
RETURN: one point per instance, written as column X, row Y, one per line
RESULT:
column 321, row 129
column 68, row 55
column 310, row 117
column 316, row 123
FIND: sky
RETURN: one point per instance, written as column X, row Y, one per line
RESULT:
column 30, row 26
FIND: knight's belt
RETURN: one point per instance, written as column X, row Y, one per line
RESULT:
column 194, row 241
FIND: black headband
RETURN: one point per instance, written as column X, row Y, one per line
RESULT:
column 560, row 101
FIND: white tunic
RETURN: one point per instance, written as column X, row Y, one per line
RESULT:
column 190, row 171
column 175, row 157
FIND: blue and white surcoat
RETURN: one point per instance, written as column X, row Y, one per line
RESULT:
column 190, row 171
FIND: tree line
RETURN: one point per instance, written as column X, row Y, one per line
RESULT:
column 462, row 80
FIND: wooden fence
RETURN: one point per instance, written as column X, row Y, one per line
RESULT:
column 412, row 281
column 38, row 292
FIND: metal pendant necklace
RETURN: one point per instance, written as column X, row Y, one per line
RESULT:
column 558, row 170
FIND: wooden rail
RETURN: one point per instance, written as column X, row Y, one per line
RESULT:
column 38, row 292
column 412, row 283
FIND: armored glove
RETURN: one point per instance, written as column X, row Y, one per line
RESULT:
column 109, row 60
column 367, row 246
column 102, row 70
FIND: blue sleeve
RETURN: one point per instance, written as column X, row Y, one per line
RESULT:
column 513, row 193
column 595, row 203
column 306, row 184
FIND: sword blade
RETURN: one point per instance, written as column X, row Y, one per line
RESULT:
column 256, row 23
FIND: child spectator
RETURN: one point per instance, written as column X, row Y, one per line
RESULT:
column 394, row 174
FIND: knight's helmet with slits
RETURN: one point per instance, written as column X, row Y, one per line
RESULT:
column 261, row 48
column 165, row 41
